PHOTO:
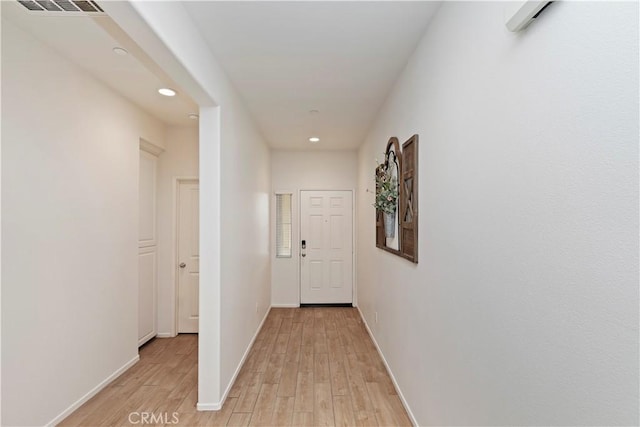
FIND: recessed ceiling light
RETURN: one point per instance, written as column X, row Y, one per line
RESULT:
column 314, row 139
column 166, row 91
column 120, row 51
column 193, row 116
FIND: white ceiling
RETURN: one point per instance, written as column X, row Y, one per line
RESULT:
column 287, row 58
column 88, row 41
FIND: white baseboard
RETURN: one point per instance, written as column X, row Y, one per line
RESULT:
column 386, row 365
column 218, row 406
column 64, row 414
column 208, row 406
column 146, row 338
column 285, row 305
column 165, row 335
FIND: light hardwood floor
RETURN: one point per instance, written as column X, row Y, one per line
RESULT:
column 307, row 367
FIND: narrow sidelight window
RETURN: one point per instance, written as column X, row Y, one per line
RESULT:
column 283, row 225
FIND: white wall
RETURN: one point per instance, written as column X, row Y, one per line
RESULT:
column 292, row 171
column 180, row 159
column 246, row 271
column 69, row 230
column 523, row 309
column 234, row 192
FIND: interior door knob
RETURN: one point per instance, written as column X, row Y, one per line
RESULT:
column 183, row 265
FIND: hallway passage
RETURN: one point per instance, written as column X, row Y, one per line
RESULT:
column 308, row 366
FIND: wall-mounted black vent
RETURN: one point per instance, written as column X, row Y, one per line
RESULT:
column 85, row 6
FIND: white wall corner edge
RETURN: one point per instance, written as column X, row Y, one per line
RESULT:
column 386, row 365
column 64, row 414
column 217, row 406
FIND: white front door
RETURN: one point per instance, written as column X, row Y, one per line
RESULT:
column 326, row 261
column 188, row 256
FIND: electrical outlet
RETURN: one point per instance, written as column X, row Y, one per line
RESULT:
column 376, row 316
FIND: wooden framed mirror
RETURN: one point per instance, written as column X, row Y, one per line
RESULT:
column 388, row 198
column 397, row 199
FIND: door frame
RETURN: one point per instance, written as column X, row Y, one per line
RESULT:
column 177, row 180
column 354, row 275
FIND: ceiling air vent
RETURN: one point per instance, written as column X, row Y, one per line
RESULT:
column 62, row 6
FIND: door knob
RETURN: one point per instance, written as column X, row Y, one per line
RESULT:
column 183, row 265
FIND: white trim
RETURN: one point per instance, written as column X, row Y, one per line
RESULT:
column 150, row 147
column 218, row 406
column 285, row 305
column 386, row 365
column 64, row 414
column 208, row 406
column 165, row 335
column 147, row 337
column 354, row 249
column 177, row 180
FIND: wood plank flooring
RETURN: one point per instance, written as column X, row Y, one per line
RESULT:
column 307, row 367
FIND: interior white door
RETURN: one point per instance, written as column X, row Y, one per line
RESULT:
column 326, row 261
column 188, row 256
column 147, row 247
